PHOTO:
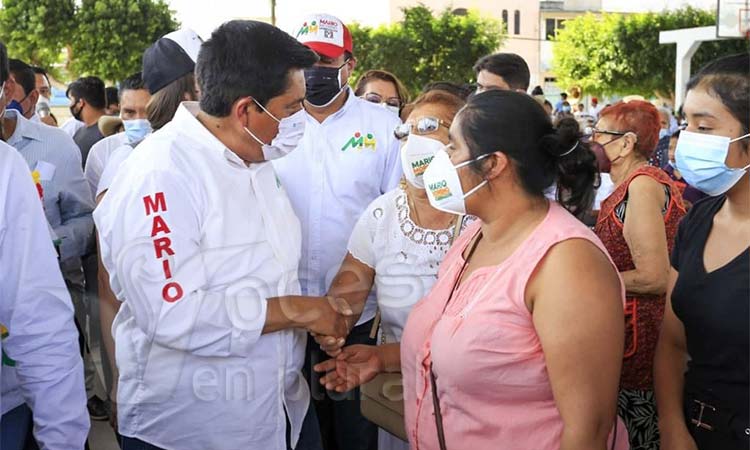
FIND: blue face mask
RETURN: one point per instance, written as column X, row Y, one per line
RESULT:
column 136, row 130
column 16, row 106
column 700, row 158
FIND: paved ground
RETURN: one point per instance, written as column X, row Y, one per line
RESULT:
column 101, row 436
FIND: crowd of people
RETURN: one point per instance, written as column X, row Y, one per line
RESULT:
column 277, row 260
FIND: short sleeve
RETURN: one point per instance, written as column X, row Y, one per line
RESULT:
column 362, row 241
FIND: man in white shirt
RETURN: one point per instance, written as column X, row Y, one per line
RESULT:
column 41, row 364
column 202, row 247
column 133, row 100
column 347, row 158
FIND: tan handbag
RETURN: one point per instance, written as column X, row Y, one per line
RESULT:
column 382, row 401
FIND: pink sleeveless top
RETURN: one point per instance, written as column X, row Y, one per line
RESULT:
column 492, row 380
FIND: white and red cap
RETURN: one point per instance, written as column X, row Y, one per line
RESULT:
column 324, row 34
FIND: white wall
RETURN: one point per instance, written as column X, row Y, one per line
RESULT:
column 654, row 5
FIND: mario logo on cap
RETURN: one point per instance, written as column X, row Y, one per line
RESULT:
column 305, row 29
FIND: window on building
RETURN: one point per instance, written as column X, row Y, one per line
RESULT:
column 505, row 19
column 517, row 22
column 552, row 26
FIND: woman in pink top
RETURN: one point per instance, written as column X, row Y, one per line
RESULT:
column 523, row 330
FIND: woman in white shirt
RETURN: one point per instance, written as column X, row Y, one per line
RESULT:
column 396, row 248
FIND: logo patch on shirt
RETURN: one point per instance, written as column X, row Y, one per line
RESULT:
column 440, row 190
column 360, row 141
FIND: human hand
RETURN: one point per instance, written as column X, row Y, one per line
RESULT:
column 354, row 366
column 329, row 344
column 329, row 317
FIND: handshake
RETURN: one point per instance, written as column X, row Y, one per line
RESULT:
column 328, row 319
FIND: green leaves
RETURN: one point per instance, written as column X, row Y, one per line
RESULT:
column 621, row 54
column 113, row 34
column 424, row 48
column 36, row 30
column 106, row 38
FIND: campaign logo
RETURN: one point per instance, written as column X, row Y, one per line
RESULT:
column 440, row 190
column 419, row 167
column 360, row 141
column 305, row 29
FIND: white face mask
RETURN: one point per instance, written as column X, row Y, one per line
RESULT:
column 391, row 108
column 291, row 131
column 444, row 185
column 700, row 158
column 416, row 155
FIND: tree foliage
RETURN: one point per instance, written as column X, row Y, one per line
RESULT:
column 111, row 35
column 36, row 30
column 424, row 47
column 621, row 54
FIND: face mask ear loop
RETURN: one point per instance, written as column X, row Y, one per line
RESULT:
column 740, row 138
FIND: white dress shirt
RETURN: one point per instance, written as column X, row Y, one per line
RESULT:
column 340, row 166
column 43, row 366
column 71, row 126
column 195, row 241
column 99, row 156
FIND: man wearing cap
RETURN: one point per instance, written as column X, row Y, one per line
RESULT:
column 347, row 158
column 202, row 247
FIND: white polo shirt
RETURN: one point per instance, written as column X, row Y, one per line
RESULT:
column 98, row 158
column 339, row 168
column 195, row 241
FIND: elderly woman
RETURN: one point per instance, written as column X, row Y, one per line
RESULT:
column 397, row 247
column 383, row 88
column 488, row 356
column 637, row 223
column 702, row 367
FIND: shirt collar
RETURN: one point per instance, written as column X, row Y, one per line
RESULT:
column 348, row 104
column 187, row 114
column 24, row 128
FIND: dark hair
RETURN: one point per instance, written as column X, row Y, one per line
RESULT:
column 40, row 71
column 246, row 58
column 382, row 75
column 547, row 103
column 639, row 117
column 436, row 97
column 728, row 80
column 511, row 67
column 537, row 91
column 23, row 74
column 90, row 89
column 4, row 71
column 132, row 83
column 459, row 90
column 113, row 95
column 517, row 125
column 564, row 95
column 164, row 102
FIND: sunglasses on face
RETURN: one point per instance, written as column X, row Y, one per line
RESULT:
column 424, row 125
column 376, row 98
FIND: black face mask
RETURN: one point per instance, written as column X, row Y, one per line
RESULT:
column 76, row 114
column 323, row 85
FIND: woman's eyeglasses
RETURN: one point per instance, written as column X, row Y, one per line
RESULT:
column 424, row 125
column 376, row 98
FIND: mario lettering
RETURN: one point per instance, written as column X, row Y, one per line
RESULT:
column 154, row 204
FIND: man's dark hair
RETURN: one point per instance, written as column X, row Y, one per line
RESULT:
column 4, row 71
column 23, row 74
column 564, row 95
column 112, row 95
column 459, row 90
column 246, row 58
column 132, row 83
column 90, row 89
column 511, row 67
